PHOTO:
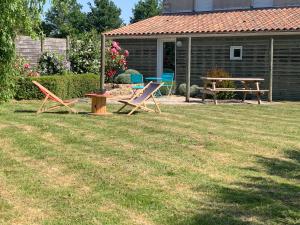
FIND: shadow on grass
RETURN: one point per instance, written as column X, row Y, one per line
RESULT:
column 271, row 196
column 54, row 112
column 69, row 113
column 285, row 168
column 126, row 112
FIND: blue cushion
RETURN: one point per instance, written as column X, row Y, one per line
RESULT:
column 167, row 77
column 138, row 87
column 136, row 78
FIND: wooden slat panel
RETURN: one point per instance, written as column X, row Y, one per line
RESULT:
column 209, row 53
column 55, row 45
column 181, row 61
column 28, row 48
column 142, row 55
column 286, row 2
column 31, row 49
column 173, row 6
column 229, row 4
column 287, row 68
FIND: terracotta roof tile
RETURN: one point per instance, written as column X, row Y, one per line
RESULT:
column 259, row 20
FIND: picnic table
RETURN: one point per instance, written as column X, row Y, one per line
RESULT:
column 249, row 86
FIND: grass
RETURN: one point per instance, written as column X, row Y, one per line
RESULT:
column 192, row 165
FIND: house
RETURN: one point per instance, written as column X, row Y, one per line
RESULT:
column 248, row 38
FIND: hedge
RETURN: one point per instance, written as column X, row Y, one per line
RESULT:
column 65, row 86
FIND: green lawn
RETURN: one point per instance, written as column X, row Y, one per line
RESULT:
column 191, row 165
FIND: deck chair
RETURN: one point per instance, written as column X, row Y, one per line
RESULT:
column 137, row 80
column 52, row 97
column 138, row 101
column 168, row 80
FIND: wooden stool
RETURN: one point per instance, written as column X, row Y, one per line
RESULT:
column 98, row 104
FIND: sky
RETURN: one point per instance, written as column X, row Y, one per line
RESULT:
column 125, row 5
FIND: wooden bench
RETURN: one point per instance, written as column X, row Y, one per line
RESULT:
column 210, row 87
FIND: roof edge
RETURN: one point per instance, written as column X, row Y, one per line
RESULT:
column 227, row 34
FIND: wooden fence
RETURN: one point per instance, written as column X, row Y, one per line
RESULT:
column 31, row 49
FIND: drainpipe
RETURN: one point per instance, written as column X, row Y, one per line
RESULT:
column 102, row 70
column 271, row 69
column 188, row 76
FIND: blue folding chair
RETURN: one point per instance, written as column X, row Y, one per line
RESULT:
column 137, row 79
column 168, row 80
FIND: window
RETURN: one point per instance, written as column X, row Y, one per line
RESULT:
column 236, row 52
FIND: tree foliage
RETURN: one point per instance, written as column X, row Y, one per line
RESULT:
column 145, row 9
column 15, row 16
column 84, row 54
column 104, row 15
column 64, row 18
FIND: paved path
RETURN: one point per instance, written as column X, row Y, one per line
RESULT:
column 180, row 100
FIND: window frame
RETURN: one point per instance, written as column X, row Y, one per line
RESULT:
column 232, row 51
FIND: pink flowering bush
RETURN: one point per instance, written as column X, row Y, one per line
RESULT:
column 24, row 69
column 116, row 60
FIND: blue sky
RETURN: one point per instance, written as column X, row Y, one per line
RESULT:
column 125, row 5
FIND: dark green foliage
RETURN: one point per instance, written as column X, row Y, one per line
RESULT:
column 220, row 73
column 84, row 53
column 104, row 15
column 7, row 75
column 66, row 86
column 15, row 17
column 51, row 63
column 132, row 71
column 64, row 18
column 194, row 90
column 145, row 9
column 123, row 78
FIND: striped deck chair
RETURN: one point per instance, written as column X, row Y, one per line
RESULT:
column 52, row 97
column 139, row 100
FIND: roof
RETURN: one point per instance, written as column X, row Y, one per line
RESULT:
column 258, row 20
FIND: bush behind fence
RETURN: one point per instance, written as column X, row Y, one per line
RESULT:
column 31, row 49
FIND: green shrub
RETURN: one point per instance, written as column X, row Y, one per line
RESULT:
column 51, row 63
column 132, row 71
column 194, row 90
column 66, row 86
column 221, row 73
column 123, row 78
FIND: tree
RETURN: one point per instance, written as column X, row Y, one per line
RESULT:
column 104, row 15
column 15, row 16
column 145, row 9
column 64, row 18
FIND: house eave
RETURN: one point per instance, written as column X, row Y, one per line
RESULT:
column 203, row 35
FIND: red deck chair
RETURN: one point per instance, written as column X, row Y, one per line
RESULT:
column 52, row 97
